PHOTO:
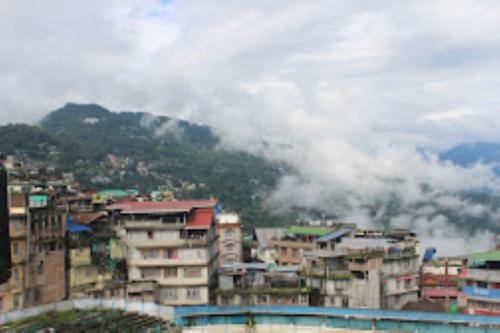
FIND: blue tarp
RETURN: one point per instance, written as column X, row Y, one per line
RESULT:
column 334, row 235
column 75, row 228
column 429, row 253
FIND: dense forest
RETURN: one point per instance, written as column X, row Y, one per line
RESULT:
column 104, row 149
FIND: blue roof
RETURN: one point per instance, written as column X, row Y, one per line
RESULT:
column 75, row 228
column 334, row 235
column 409, row 316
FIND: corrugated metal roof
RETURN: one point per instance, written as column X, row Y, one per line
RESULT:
column 313, row 231
column 334, row 235
column 486, row 256
column 200, row 218
column 160, row 206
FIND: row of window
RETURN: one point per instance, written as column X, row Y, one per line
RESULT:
column 171, row 272
column 171, row 254
column 172, row 294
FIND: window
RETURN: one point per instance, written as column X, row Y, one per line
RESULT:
column 192, row 272
column 283, row 251
column 150, row 235
column 15, row 274
column 230, row 233
column 261, row 299
column 1, row 304
column 341, row 284
column 169, row 293
column 151, row 254
column 295, row 253
column 17, row 300
column 408, row 283
column 170, row 254
column 193, row 293
column 170, row 272
column 36, row 295
column 398, row 284
column 150, row 273
column 230, row 247
column 39, row 267
column 15, row 248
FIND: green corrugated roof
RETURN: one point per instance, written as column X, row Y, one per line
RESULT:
column 486, row 256
column 314, row 231
column 112, row 193
column 39, row 198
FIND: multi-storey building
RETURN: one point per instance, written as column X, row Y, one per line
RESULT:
column 261, row 284
column 171, row 249
column 5, row 259
column 439, row 279
column 290, row 248
column 37, row 245
column 229, row 238
column 362, row 269
column 37, row 230
column 480, row 284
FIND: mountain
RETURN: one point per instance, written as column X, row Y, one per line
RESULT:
column 468, row 154
column 104, row 149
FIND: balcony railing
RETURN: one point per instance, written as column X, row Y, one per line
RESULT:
column 482, row 275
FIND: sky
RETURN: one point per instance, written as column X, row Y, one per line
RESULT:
column 348, row 92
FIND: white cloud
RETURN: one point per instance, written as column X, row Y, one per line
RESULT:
column 354, row 87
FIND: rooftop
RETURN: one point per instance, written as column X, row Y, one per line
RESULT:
column 486, row 256
column 313, row 231
column 182, row 206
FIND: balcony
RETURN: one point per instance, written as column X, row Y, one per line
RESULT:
column 482, row 275
column 145, row 243
column 482, row 293
column 161, row 262
column 17, row 232
column 153, row 225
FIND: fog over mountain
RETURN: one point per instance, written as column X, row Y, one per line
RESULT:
column 359, row 97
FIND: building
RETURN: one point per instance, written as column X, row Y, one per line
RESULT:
column 439, row 279
column 171, row 250
column 362, row 269
column 263, row 249
column 37, row 237
column 290, row 248
column 261, row 284
column 94, row 254
column 5, row 259
column 229, row 238
column 480, row 284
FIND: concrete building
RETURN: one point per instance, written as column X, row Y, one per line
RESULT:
column 362, row 269
column 480, row 284
column 261, row 284
column 37, row 245
column 171, row 250
column 229, row 238
column 290, row 248
column 263, row 249
column 439, row 279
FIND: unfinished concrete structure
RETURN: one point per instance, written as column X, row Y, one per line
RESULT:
column 260, row 284
column 229, row 238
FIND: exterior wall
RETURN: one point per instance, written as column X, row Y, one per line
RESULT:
column 275, row 299
column 400, row 281
column 290, row 252
column 366, row 293
column 480, row 291
column 229, row 239
column 181, row 268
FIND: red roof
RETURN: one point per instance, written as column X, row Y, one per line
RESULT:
column 200, row 218
column 161, row 206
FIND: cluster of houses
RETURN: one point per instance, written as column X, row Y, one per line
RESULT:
column 70, row 243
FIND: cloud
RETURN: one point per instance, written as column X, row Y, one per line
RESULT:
column 355, row 90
